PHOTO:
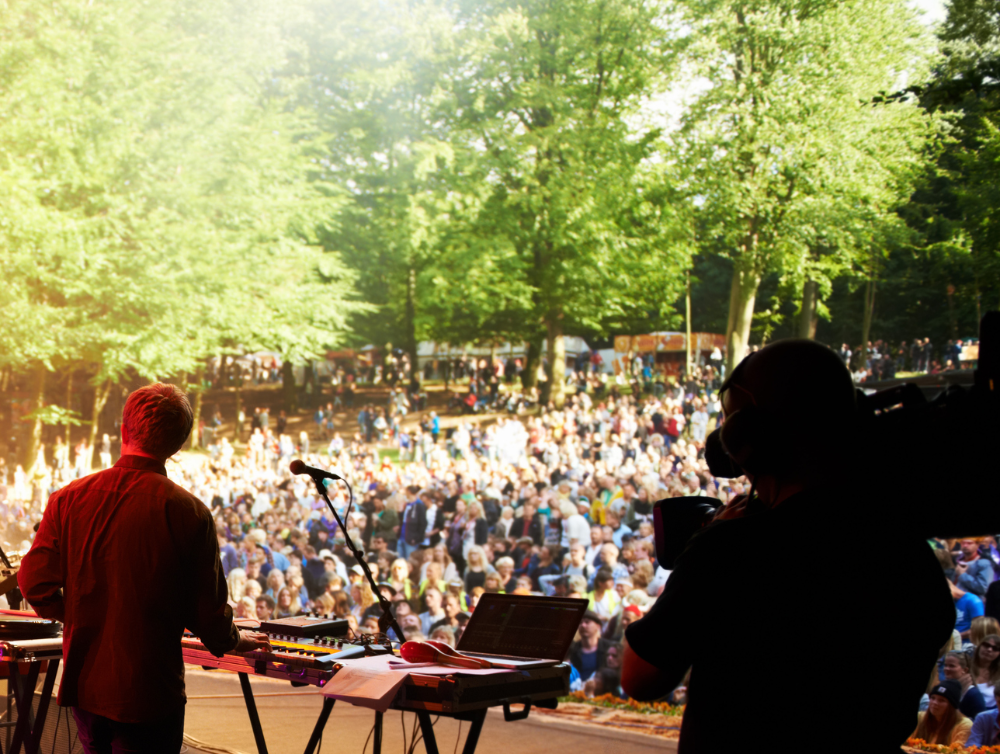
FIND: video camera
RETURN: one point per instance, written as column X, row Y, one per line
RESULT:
column 909, row 439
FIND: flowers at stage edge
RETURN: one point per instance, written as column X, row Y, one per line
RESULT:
column 614, row 702
column 918, row 744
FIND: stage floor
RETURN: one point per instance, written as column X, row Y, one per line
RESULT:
column 216, row 715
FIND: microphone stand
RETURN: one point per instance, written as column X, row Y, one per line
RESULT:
column 387, row 620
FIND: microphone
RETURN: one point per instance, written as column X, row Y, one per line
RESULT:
column 298, row 467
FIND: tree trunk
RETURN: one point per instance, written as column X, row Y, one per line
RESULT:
column 199, row 377
column 866, row 321
column 37, row 401
column 291, row 397
column 734, row 290
column 411, row 318
column 557, row 363
column 236, row 415
column 807, row 312
column 687, row 327
column 6, row 419
column 101, row 393
column 741, row 301
column 950, row 290
column 69, row 406
column 529, row 377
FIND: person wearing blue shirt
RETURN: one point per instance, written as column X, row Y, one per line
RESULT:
column 967, row 607
column 280, row 560
column 229, row 556
column 618, row 529
column 973, row 573
column 985, row 730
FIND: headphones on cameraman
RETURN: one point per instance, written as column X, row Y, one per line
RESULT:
column 748, row 440
column 758, row 440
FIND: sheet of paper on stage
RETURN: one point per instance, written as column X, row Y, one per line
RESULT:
column 431, row 668
column 366, row 682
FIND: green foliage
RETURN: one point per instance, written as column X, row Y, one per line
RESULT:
column 794, row 169
column 157, row 207
column 559, row 220
column 55, row 415
column 374, row 70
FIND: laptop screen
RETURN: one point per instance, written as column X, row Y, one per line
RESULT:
column 540, row 628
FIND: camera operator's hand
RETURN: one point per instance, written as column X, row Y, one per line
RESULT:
column 251, row 640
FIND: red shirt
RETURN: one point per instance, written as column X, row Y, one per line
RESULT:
column 127, row 560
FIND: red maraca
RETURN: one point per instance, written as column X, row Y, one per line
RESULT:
column 415, row 651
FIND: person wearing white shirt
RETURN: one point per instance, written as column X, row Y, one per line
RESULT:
column 575, row 527
column 593, row 554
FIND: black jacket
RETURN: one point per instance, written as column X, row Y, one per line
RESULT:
column 576, row 651
column 414, row 526
column 520, row 528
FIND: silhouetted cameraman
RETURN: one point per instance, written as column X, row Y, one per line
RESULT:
column 786, row 590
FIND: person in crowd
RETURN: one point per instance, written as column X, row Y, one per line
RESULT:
column 434, row 614
column 973, row 574
column 414, row 523
column 593, row 553
column 980, row 628
column 476, row 568
column 575, row 529
column 399, row 577
column 265, row 607
column 505, row 570
column 529, row 524
column 968, row 607
column 444, row 634
column 618, row 529
column 590, row 653
column 604, row 600
column 609, row 561
column 452, row 608
column 986, row 727
column 287, row 604
column 985, row 666
column 434, row 579
column 956, row 668
column 942, row 723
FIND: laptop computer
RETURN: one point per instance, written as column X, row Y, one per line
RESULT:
column 517, row 631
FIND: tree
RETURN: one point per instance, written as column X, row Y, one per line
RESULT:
column 559, row 222
column 374, row 69
column 156, row 194
column 784, row 145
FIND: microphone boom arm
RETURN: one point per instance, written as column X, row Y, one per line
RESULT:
column 387, row 620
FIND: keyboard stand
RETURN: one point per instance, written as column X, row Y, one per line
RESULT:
column 419, row 695
column 258, row 730
column 477, row 718
column 29, row 725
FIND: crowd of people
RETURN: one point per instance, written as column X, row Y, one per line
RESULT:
column 557, row 503
column 882, row 360
column 553, row 501
column 961, row 704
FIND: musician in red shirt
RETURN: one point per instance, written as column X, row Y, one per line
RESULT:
column 127, row 560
